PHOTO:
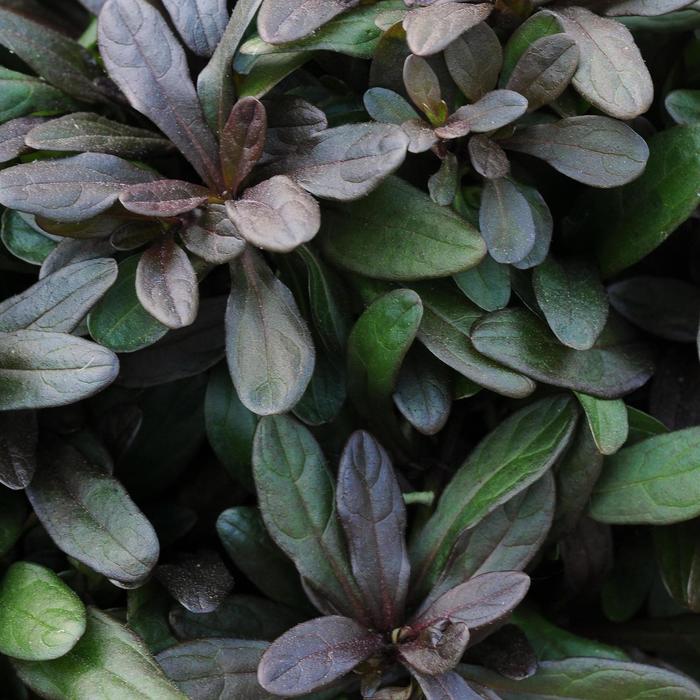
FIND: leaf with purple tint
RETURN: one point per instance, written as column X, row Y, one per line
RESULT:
column 373, row 515
column 437, row 648
column 70, row 189
column 12, row 137
column 212, row 236
column 146, row 61
column 163, row 198
column 314, row 654
column 276, row 215
column 200, row 23
column 448, row 686
column 166, row 284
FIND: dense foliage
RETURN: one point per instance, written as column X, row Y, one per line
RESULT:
column 349, row 349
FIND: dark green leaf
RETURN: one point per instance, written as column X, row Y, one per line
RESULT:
column 230, row 426
column 616, row 365
column 573, row 301
column 242, row 532
column 40, row 617
column 684, row 106
column 487, row 284
column 297, row 501
column 108, row 657
column 398, row 233
column 506, row 462
column 387, row 106
column 52, row 55
column 589, row 679
column 651, row 482
column 118, row 321
column 678, row 553
column 40, row 369
column 607, row 421
column 210, row 669
column 24, row 239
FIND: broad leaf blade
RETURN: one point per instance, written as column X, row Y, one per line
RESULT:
column 297, row 501
column 201, row 23
column 269, row 349
column 109, row 657
column 90, row 516
column 607, row 421
column 143, row 57
column 314, row 654
column 506, row 462
column 72, row 189
column 40, row 617
column 373, row 515
column 40, row 369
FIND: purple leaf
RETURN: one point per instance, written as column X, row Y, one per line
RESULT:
column 166, row 284
column 493, row 111
column 71, row 189
column 146, row 61
column 242, row 141
column 163, row 198
column 276, row 215
column 291, row 122
column 282, row 21
column 201, row 23
column 314, row 654
column 448, row 686
column 12, row 136
column 373, row 515
column 431, row 29
column 347, row 162
column 213, row 237
column 423, row 87
column 483, row 601
column 437, row 649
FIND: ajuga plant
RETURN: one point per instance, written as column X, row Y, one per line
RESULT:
column 452, row 246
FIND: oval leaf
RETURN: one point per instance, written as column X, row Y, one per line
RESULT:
column 163, row 198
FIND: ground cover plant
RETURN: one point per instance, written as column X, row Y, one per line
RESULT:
column 349, row 349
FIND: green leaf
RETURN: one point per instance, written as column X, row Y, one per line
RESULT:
column 108, row 657
column 23, row 239
column 216, row 668
column 487, row 284
column 40, row 617
column 399, row 233
column 13, row 513
column 632, row 221
column 353, row 34
column 553, row 643
column 118, row 320
column 269, row 70
column 147, row 615
column 642, row 426
column 589, row 679
column 52, row 55
column 445, row 330
column 678, row 553
column 268, row 345
column 90, row 516
column 684, row 106
column 245, row 539
column 617, row 364
column 230, row 426
column 424, row 391
column 507, row 539
column 297, row 501
column 573, row 301
column 23, row 95
column 504, row 463
column 387, row 106
column 238, row 617
column 607, row 421
column 377, row 346
column 654, row 482
column 40, row 369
